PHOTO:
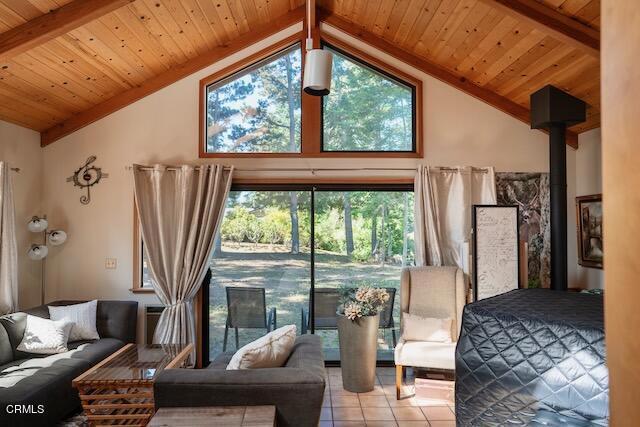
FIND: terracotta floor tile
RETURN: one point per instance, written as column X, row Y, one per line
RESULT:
column 325, row 424
column 406, row 401
column 374, row 401
column 377, row 391
column 345, row 401
column 382, row 424
column 377, row 414
column 413, row 424
column 341, row 392
column 347, row 414
column 349, row 424
column 325, row 414
column 408, row 414
column 438, row 413
column 442, row 423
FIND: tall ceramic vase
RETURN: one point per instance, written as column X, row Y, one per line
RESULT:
column 358, row 352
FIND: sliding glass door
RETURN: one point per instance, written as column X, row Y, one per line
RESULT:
column 278, row 243
column 261, row 266
column 362, row 237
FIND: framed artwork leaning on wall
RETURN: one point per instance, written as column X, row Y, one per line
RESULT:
column 589, row 223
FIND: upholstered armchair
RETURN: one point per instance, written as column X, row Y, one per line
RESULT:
column 437, row 292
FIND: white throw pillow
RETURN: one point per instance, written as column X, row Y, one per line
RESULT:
column 269, row 351
column 83, row 317
column 44, row 336
column 416, row 328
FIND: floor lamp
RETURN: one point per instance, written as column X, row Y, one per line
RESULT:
column 39, row 252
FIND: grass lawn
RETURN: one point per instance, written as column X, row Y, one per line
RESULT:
column 286, row 279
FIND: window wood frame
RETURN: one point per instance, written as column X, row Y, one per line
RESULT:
column 311, row 106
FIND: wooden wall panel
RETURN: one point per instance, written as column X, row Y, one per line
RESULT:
column 621, row 204
column 145, row 39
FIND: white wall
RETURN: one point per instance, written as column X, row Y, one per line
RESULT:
column 163, row 127
column 588, row 181
column 21, row 148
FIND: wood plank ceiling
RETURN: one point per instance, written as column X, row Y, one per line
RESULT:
column 53, row 82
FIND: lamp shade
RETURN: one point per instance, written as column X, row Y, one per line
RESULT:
column 37, row 252
column 317, row 72
column 57, row 237
column 37, row 225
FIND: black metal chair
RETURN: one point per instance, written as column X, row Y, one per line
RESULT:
column 326, row 301
column 247, row 309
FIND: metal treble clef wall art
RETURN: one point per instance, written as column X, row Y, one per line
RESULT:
column 86, row 176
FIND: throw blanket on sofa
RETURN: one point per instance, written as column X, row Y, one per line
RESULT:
column 530, row 356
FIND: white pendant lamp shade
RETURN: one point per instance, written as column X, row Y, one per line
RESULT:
column 38, row 252
column 317, row 72
column 37, row 225
column 57, row 237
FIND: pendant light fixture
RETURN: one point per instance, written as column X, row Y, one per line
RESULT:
column 317, row 63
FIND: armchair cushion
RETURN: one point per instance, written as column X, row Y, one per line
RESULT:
column 417, row 328
column 425, row 354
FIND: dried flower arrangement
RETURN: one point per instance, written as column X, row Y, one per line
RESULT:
column 362, row 301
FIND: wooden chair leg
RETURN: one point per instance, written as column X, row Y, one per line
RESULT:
column 399, row 375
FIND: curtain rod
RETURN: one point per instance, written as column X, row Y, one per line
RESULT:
column 16, row 170
column 313, row 170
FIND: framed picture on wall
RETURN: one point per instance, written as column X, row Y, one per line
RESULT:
column 589, row 222
column 496, row 258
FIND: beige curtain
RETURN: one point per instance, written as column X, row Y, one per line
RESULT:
column 8, row 244
column 180, row 210
column 444, row 199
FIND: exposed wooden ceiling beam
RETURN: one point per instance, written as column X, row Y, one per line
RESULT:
column 170, row 76
column 54, row 24
column 495, row 100
column 552, row 22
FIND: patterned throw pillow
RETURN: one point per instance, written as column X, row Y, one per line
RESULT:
column 269, row 351
column 44, row 336
column 83, row 317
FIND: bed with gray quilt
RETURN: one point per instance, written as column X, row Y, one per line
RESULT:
column 532, row 357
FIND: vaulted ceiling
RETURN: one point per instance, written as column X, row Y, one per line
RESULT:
column 66, row 63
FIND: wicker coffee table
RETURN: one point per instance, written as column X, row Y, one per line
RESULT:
column 119, row 390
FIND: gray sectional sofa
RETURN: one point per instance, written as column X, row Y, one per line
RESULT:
column 36, row 390
column 296, row 390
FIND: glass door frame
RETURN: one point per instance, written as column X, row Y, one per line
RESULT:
column 312, row 189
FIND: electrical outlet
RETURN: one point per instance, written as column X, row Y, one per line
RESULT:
column 110, row 263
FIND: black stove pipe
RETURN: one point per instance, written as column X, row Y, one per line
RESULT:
column 555, row 110
column 558, row 200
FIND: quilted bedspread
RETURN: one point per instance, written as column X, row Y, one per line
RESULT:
column 532, row 357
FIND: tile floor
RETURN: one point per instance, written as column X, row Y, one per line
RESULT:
column 379, row 408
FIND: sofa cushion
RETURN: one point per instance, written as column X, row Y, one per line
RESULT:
column 94, row 351
column 14, row 324
column 42, row 383
column 6, row 351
